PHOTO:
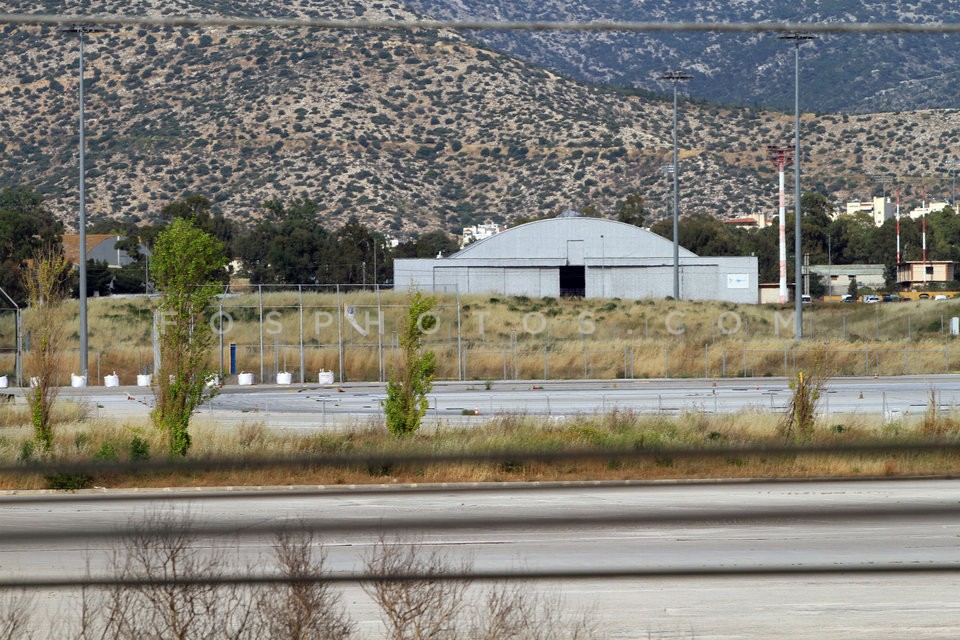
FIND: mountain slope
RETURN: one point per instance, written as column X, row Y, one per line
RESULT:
column 840, row 72
column 404, row 131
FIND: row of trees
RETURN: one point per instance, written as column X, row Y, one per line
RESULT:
column 846, row 240
column 291, row 244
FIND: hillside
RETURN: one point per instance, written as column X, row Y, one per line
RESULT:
column 847, row 73
column 405, row 131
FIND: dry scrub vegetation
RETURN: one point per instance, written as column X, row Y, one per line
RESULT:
column 614, row 432
column 163, row 558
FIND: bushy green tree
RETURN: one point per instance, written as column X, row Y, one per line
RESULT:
column 26, row 228
column 412, row 377
column 186, row 263
column 631, row 210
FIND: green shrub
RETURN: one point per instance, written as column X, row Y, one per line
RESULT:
column 139, row 449
column 27, row 450
column 69, row 481
column 106, row 452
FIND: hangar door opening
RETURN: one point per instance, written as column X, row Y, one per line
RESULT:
column 573, row 277
column 573, row 281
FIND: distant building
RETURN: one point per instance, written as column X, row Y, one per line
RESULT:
column 101, row 247
column 770, row 293
column 837, row 277
column 879, row 209
column 571, row 255
column 926, row 209
column 917, row 274
column 759, row 220
column 480, row 232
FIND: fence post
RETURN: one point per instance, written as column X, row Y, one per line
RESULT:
column 156, row 343
column 340, row 331
column 666, row 359
column 785, row 361
column 380, row 335
column 866, row 361
column 276, row 356
column 19, row 358
column 843, row 327
column 302, row 362
column 585, row 357
column 909, row 327
column 260, row 305
column 706, row 360
column 723, row 363
column 744, row 358
column 459, row 339
column 219, row 337
column 546, row 366
column 906, row 361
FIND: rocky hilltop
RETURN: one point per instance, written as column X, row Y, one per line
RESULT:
column 405, row 131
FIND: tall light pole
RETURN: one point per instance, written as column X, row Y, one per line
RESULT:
column 80, row 30
column 676, row 76
column 797, row 39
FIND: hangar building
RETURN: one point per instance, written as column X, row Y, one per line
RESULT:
column 571, row 255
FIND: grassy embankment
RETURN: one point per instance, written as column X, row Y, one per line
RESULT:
column 522, row 338
column 81, row 439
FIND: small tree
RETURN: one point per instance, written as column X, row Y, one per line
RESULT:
column 186, row 261
column 47, row 283
column 807, row 388
column 411, row 378
column 854, row 289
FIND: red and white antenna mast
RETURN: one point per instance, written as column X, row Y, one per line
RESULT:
column 924, row 235
column 898, row 227
column 780, row 156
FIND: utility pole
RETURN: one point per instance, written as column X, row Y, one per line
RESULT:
column 80, row 30
column 676, row 76
column 797, row 38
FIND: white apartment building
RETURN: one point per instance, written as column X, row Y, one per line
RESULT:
column 928, row 208
column 479, row 232
column 879, row 208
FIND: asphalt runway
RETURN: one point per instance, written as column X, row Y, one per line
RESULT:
column 314, row 406
column 788, row 525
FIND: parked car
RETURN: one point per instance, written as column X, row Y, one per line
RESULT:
column 805, row 299
column 941, row 296
column 847, row 298
column 871, row 299
column 924, row 296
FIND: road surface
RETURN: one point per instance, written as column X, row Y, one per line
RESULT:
column 315, row 406
column 499, row 531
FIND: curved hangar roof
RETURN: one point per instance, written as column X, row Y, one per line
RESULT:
column 548, row 240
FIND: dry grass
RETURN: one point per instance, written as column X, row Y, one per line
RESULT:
column 534, row 338
column 614, row 431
